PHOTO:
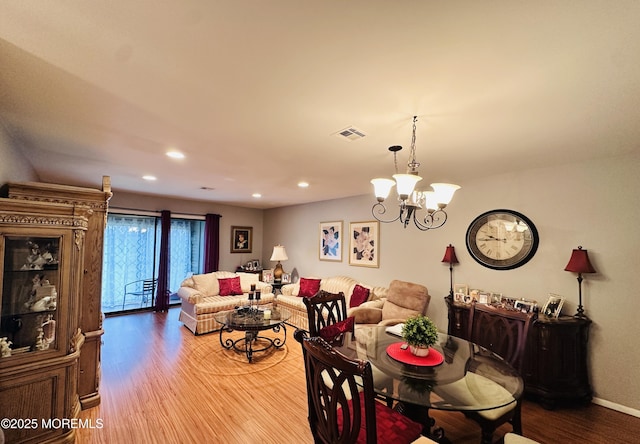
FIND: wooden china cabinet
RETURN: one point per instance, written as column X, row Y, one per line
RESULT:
column 555, row 365
column 90, row 309
column 41, row 264
column 51, row 245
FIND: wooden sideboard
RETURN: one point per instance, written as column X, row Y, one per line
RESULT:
column 555, row 366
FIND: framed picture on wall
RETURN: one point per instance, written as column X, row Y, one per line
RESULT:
column 330, row 244
column 364, row 248
column 241, row 239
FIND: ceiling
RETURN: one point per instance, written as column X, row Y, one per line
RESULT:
column 253, row 92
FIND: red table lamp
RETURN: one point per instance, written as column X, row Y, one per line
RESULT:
column 450, row 258
column 579, row 263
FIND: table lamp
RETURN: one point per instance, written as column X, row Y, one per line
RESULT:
column 450, row 258
column 279, row 254
column 579, row 263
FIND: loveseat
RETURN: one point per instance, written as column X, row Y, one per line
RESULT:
column 291, row 300
column 201, row 297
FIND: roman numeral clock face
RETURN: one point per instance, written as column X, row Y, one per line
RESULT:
column 502, row 239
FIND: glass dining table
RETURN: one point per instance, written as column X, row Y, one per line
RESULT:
column 460, row 376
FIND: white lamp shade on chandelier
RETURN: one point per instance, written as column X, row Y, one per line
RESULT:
column 405, row 184
column 382, row 187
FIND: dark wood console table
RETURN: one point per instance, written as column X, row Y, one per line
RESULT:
column 555, row 367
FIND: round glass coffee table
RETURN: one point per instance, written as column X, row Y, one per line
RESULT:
column 252, row 321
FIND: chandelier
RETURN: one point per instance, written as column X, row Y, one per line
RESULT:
column 410, row 200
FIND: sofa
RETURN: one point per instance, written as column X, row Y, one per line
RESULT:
column 200, row 297
column 291, row 300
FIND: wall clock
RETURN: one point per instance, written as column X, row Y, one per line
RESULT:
column 502, row 239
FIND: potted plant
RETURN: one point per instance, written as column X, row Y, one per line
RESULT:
column 420, row 332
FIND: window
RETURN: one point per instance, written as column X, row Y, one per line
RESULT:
column 131, row 252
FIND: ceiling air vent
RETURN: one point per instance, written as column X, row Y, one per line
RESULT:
column 350, row 133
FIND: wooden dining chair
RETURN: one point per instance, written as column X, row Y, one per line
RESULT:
column 341, row 399
column 503, row 332
column 327, row 315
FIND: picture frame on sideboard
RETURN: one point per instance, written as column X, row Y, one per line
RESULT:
column 553, row 307
column 461, row 288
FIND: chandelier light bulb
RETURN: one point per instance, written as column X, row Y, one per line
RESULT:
column 430, row 200
column 416, row 199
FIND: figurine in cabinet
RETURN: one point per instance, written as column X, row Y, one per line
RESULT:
column 37, row 259
column 5, row 347
column 42, row 296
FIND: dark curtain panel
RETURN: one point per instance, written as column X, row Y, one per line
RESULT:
column 211, row 242
column 162, row 295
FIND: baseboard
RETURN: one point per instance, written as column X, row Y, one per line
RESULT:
column 616, row 407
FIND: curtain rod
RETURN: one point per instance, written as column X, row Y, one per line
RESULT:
column 136, row 212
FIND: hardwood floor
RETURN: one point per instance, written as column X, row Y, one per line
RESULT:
column 161, row 384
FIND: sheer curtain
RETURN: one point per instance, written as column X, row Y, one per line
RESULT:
column 130, row 255
column 186, row 251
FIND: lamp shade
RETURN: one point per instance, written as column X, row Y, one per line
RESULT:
column 444, row 192
column 450, row 255
column 405, row 183
column 279, row 254
column 382, row 187
column 579, row 262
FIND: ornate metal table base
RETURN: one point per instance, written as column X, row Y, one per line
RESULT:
column 251, row 337
column 420, row 414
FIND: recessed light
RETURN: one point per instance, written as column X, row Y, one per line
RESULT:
column 256, row 195
column 175, row 154
column 149, row 177
column 303, row 184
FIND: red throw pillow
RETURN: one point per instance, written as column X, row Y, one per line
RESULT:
column 230, row 286
column 359, row 295
column 309, row 287
column 330, row 332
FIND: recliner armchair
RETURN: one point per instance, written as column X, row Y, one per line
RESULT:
column 404, row 299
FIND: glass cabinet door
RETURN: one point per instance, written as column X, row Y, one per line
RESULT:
column 30, row 280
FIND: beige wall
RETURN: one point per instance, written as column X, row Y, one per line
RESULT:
column 14, row 166
column 593, row 204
